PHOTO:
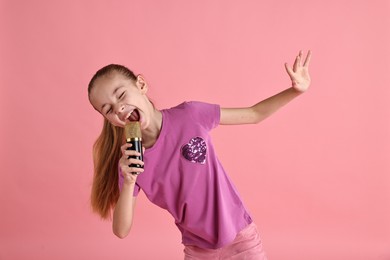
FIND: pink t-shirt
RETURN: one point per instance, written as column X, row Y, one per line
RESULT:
column 184, row 176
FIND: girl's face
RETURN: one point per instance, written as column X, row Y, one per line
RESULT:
column 120, row 99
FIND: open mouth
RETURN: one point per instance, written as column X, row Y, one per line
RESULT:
column 134, row 116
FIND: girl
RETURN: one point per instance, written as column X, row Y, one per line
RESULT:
column 182, row 173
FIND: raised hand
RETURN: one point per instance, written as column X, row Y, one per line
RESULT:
column 299, row 73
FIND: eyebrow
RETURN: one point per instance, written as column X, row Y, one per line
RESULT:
column 113, row 93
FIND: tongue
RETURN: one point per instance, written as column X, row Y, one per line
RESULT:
column 134, row 116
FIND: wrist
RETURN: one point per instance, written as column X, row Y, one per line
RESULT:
column 297, row 91
column 128, row 183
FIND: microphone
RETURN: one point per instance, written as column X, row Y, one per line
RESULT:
column 133, row 135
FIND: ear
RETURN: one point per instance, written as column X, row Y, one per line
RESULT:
column 141, row 84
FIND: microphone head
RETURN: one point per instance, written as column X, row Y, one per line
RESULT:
column 133, row 130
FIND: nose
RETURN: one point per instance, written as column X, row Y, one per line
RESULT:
column 119, row 108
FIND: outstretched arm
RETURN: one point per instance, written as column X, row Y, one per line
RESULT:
column 300, row 79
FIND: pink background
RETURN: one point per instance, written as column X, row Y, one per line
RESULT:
column 315, row 175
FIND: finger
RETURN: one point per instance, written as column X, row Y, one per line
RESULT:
column 290, row 72
column 134, row 161
column 131, row 153
column 125, row 147
column 135, row 170
column 296, row 63
column 130, row 169
column 300, row 57
column 307, row 60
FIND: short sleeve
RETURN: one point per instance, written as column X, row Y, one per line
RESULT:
column 137, row 188
column 208, row 115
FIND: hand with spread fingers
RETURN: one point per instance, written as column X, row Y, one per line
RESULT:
column 299, row 73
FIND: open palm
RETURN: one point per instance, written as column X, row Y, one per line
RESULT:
column 299, row 73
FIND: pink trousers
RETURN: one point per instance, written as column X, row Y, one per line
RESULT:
column 246, row 246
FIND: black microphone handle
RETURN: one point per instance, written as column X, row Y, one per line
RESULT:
column 136, row 146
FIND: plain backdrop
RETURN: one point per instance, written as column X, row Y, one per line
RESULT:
column 315, row 175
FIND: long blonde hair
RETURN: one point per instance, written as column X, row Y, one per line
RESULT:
column 106, row 155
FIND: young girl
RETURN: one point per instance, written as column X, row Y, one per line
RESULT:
column 181, row 173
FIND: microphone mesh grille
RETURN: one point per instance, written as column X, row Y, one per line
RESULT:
column 133, row 130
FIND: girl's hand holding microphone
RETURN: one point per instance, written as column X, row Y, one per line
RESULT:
column 128, row 164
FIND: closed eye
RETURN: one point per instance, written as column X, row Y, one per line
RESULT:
column 122, row 95
column 109, row 111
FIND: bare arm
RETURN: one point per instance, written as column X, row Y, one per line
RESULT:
column 124, row 212
column 124, row 208
column 300, row 79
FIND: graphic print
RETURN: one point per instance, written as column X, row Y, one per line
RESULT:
column 195, row 150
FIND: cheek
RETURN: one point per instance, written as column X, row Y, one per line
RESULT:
column 110, row 119
column 114, row 120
